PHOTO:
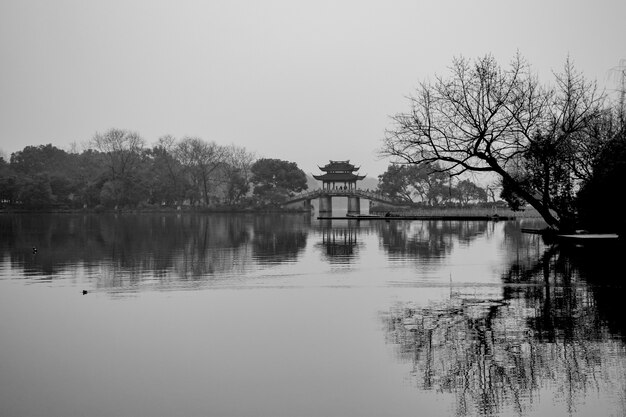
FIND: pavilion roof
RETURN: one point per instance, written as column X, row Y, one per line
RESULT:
column 339, row 166
column 338, row 177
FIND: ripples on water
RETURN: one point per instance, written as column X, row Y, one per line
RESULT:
column 287, row 315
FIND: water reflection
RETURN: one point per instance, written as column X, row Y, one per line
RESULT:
column 279, row 238
column 554, row 329
column 521, row 326
column 340, row 240
column 171, row 250
column 429, row 239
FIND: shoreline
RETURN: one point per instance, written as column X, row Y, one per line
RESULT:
column 422, row 217
column 152, row 210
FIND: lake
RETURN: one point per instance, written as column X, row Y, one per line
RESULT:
column 286, row 315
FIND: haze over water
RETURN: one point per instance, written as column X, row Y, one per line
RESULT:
column 285, row 315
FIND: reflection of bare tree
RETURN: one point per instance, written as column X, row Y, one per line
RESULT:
column 428, row 239
column 545, row 335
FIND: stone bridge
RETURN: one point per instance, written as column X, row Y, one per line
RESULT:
column 325, row 199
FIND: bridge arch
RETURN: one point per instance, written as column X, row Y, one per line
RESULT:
column 338, row 180
column 325, row 198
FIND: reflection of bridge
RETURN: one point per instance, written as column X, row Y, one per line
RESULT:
column 339, row 241
column 325, row 199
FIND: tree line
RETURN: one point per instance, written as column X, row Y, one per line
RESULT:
column 559, row 147
column 429, row 185
column 119, row 170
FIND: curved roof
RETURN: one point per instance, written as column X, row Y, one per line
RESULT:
column 342, row 166
column 339, row 177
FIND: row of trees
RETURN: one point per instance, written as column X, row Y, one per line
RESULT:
column 548, row 144
column 119, row 170
column 428, row 184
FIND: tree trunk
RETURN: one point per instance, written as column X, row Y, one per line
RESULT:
column 538, row 205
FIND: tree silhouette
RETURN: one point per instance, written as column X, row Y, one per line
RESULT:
column 275, row 180
column 486, row 118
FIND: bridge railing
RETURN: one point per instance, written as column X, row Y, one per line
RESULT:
column 302, row 196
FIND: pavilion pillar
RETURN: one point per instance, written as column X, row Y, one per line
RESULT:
column 326, row 205
column 354, row 205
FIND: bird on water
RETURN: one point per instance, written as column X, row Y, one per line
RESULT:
column 34, row 249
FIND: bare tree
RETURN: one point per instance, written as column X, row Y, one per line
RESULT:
column 237, row 173
column 485, row 118
column 201, row 160
column 168, row 171
column 619, row 72
column 74, row 148
column 122, row 148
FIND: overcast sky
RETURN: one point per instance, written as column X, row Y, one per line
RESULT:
column 303, row 81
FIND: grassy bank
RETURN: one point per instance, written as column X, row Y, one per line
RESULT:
column 529, row 213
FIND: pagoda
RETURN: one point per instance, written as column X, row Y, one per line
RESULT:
column 339, row 175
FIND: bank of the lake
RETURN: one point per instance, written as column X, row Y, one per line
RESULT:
column 468, row 211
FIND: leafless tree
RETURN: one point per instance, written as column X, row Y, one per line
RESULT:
column 122, row 149
column 166, row 148
column 619, row 72
column 201, row 160
column 486, row 118
column 237, row 173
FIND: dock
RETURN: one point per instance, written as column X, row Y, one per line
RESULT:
column 576, row 238
column 533, row 231
column 586, row 237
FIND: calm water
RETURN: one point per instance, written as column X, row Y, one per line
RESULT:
column 284, row 315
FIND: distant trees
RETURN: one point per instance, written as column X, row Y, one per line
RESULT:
column 275, row 180
column 8, row 183
column 122, row 151
column 34, row 160
column 427, row 183
column 42, row 176
column 119, row 170
column 35, row 192
column 201, row 162
column 397, row 182
column 168, row 184
column 237, row 175
column 466, row 191
column 540, row 141
column 90, row 175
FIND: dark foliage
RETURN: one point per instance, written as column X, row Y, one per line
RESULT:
column 120, row 173
column 600, row 201
column 275, row 180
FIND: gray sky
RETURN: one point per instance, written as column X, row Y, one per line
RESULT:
column 304, row 81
